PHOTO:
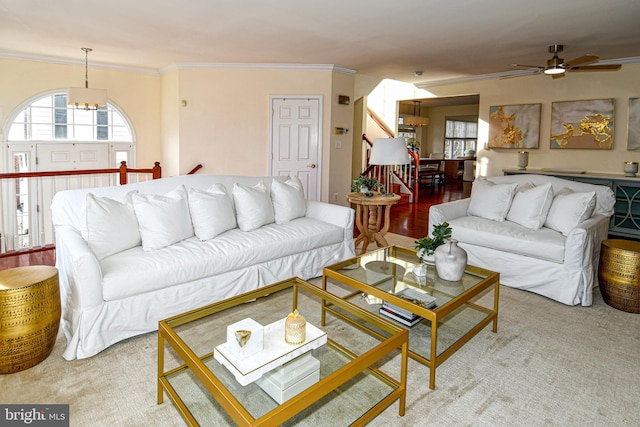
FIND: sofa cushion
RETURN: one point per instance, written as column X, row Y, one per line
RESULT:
column 135, row 272
column 253, row 206
column 510, row 237
column 288, row 200
column 164, row 220
column 211, row 212
column 111, row 226
column 530, row 206
column 569, row 209
column 491, row 201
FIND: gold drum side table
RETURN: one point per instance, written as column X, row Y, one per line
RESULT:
column 619, row 274
column 29, row 316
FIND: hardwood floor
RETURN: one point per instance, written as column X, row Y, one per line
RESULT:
column 408, row 220
column 412, row 219
column 42, row 256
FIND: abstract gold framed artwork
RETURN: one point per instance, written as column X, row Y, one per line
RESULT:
column 514, row 126
column 582, row 124
column 633, row 140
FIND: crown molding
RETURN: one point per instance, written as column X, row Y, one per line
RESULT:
column 254, row 66
column 66, row 61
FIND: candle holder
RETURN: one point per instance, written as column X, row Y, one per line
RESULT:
column 295, row 328
column 630, row 168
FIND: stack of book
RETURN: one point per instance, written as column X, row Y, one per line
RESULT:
column 403, row 316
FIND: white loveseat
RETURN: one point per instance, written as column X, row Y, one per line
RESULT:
column 541, row 233
column 129, row 256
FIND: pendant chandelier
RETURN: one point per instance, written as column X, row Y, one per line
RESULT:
column 83, row 97
column 416, row 120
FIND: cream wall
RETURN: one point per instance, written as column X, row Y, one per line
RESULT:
column 136, row 93
column 620, row 85
column 437, row 118
column 225, row 123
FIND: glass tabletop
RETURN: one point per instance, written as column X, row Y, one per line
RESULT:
column 393, row 270
column 199, row 383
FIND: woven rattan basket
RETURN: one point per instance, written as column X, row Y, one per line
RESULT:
column 619, row 274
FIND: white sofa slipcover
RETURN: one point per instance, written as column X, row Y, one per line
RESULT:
column 125, row 294
column 543, row 261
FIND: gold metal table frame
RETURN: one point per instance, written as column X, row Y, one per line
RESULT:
column 451, row 297
column 232, row 399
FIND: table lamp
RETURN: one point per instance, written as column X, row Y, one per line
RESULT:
column 389, row 152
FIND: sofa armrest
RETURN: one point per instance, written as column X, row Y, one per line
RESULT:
column 582, row 247
column 341, row 216
column 79, row 271
column 447, row 211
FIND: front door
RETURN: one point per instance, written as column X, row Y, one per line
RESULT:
column 296, row 140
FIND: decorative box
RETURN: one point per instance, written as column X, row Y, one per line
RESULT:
column 291, row 378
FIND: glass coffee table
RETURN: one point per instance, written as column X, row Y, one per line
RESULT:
column 462, row 309
column 359, row 374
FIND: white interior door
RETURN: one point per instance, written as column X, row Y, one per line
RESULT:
column 65, row 156
column 296, row 141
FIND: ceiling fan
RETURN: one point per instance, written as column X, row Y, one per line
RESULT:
column 556, row 67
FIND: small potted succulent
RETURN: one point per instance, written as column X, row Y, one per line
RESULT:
column 427, row 245
column 364, row 184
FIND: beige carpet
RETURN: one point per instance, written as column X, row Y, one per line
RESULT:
column 548, row 365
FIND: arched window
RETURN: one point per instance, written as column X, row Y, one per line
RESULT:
column 49, row 118
column 45, row 134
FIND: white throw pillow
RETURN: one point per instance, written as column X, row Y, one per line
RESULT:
column 163, row 220
column 491, row 201
column 211, row 212
column 288, row 200
column 530, row 206
column 253, row 206
column 569, row 209
column 112, row 226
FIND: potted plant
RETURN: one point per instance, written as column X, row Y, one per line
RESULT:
column 427, row 245
column 362, row 182
column 413, row 144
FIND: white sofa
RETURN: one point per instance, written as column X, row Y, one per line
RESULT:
column 539, row 236
column 119, row 277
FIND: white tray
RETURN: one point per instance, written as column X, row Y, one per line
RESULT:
column 276, row 352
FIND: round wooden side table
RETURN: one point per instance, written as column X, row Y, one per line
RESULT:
column 369, row 215
column 29, row 316
column 619, row 274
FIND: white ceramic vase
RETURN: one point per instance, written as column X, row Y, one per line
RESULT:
column 451, row 260
column 523, row 160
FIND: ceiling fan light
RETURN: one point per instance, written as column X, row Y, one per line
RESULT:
column 554, row 71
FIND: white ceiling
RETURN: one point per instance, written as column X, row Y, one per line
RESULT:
column 455, row 39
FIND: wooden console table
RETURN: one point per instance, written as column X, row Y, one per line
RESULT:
column 625, row 221
column 369, row 216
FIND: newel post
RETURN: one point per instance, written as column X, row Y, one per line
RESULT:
column 123, row 172
column 157, row 170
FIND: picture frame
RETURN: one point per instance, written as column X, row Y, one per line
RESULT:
column 586, row 124
column 633, row 129
column 514, row 126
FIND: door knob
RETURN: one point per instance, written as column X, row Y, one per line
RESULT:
column 312, row 165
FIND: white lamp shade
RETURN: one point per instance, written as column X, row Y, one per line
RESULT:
column 81, row 96
column 389, row 151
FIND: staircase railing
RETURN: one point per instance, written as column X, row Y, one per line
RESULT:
column 406, row 176
column 25, row 217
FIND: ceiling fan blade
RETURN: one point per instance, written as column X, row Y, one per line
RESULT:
column 528, row 66
column 603, row 67
column 583, row 60
column 557, row 76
